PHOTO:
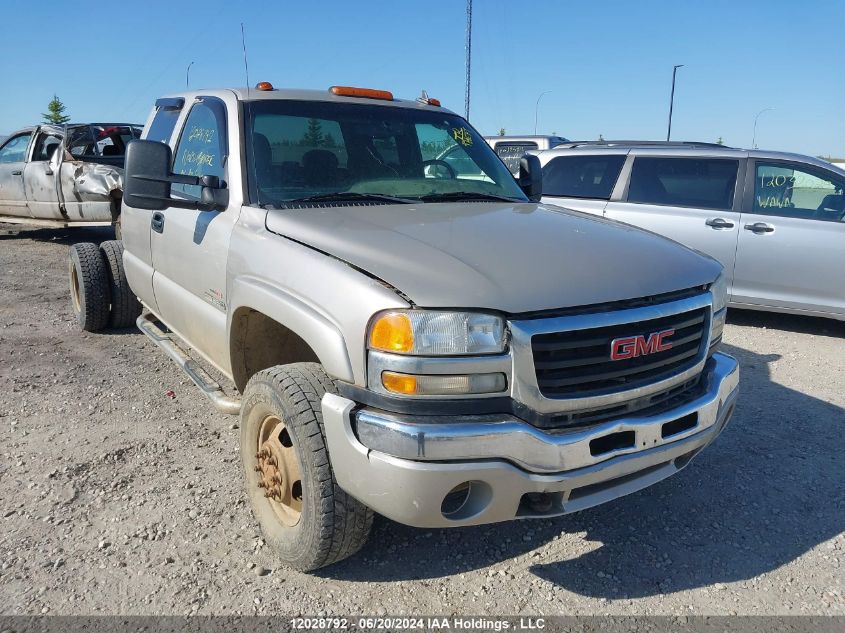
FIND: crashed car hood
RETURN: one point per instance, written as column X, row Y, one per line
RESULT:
column 512, row 257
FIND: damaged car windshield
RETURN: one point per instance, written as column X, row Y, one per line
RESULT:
column 307, row 152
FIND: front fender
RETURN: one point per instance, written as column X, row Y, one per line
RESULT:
column 317, row 329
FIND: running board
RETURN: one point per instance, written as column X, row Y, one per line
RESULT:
column 223, row 403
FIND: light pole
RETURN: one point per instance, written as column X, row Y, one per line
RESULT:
column 754, row 136
column 672, row 99
column 537, row 107
column 188, row 76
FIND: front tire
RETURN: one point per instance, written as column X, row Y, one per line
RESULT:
column 305, row 516
column 90, row 295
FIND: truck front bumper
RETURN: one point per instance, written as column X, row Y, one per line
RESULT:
column 482, row 469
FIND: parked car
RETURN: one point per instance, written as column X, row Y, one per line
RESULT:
column 64, row 175
column 776, row 221
column 440, row 349
column 511, row 148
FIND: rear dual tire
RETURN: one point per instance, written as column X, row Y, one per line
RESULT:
column 99, row 292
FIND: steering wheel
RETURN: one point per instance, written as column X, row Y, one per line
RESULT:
column 436, row 161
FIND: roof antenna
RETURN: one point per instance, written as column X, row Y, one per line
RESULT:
column 246, row 64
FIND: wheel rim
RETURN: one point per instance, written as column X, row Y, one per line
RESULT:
column 74, row 288
column 278, row 469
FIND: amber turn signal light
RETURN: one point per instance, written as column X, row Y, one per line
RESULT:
column 392, row 333
column 367, row 93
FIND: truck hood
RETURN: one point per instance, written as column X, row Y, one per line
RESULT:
column 511, row 257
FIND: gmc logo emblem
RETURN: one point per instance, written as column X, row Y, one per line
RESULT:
column 633, row 346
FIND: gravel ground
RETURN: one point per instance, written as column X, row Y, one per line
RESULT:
column 118, row 499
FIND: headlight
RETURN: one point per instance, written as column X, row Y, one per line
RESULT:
column 430, row 333
column 719, row 290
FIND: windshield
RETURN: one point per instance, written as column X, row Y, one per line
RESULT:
column 333, row 152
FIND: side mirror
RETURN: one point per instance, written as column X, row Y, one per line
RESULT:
column 531, row 177
column 147, row 180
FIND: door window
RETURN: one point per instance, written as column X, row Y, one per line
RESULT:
column 510, row 153
column 14, row 151
column 703, row 183
column 783, row 190
column 582, row 176
column 201, row 150
column 46, row 146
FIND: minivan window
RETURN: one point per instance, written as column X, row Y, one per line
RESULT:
column 705, row 183
column 510, row 153
column 582, row 176
column 781, row 189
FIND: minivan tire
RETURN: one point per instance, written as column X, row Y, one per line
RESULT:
column 282, row 423
column 90, row 293
column 125, row 307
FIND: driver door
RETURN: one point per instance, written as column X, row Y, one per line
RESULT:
column 791, row 248
column 12, row 163
column 190, row 247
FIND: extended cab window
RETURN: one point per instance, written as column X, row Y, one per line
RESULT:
column 510, row 153
column 582, row 176
column 201, row 150
column 163, row 123
column 784, row 190
column 14, row 151
column 705, row 183
column 304, row 151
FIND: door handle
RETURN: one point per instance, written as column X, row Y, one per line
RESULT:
column 17, row 172
column 760, row 227
column 719, row 223
column 158, row 222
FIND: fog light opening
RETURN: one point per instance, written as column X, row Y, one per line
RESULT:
column 466, row 500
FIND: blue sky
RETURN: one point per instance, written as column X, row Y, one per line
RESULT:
column 608, row 64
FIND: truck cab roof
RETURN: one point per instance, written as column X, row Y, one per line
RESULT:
column 300, row 94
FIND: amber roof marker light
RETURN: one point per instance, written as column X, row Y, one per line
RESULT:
column 426, row 100
column 366, row 93
column 264, row 85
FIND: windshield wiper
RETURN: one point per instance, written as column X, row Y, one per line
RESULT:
column 455, row 196
column 349, row 196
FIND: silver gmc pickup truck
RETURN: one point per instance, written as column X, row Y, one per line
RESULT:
column 408, row 335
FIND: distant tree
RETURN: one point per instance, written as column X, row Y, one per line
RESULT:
column 328, row 140
column 720, row 141
column 502, row 131
column 55, row 112
column 314, row 134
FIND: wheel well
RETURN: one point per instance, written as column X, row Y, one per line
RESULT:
column 258, row 342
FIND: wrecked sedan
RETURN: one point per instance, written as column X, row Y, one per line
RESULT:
column 64, row 175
